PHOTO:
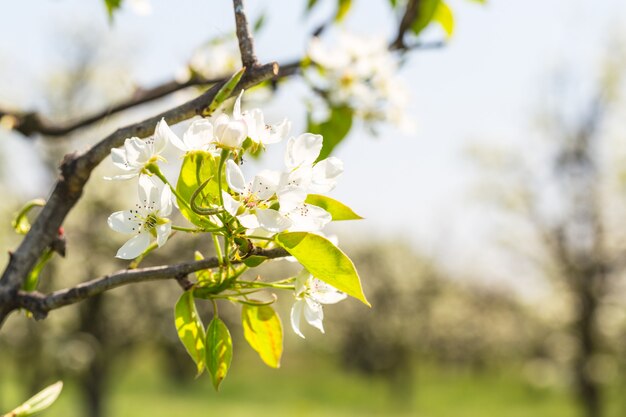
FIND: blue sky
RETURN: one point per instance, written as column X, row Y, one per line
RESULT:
column 484, row 86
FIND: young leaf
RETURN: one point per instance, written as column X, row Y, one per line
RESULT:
column 254, row 261
column 197, row 168
column 219, row 350
column 334, row 130
column 343, row 7
column 21, row 223
column 310, row 4
column 259, row 23
column 112, row 6
column 324, row 261
column 33, row 276
column 38, row 402
column 425, row 15
column 264, row 332
column 337, row 210
column 190, row 329
column 224, row 92
column 445, row 18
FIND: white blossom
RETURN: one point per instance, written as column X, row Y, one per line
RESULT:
column 229, row 133
column 310, row 294
column 136, row 154
column 258, row 131
column 360, row 72
column 147, row 221
column 252, row 206
column 198, row 136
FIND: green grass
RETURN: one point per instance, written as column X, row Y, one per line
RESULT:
column 311, row 386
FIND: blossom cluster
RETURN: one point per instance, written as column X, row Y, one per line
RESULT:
column 271, row 202
column 360, row 73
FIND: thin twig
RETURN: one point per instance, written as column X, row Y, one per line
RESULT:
column 30, row 123
column 409, row 16
column 244, row 36
column 40, row 304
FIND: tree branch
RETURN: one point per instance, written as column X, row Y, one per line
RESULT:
column 244, row 36
column 40, row 304
column 75, row 172
column 410, row 14
column 29, row 123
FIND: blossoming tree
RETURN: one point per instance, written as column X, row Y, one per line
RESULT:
column 278, row 213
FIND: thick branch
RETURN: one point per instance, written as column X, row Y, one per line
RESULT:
column 75, row 171
column 40, row 304
column 244, row 36
column 31, row 123
column 410, row 14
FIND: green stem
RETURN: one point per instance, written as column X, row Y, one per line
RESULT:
column 218, row 249
column 192, row 230
column 265, row 285
column 154, row 168
column 220, row 168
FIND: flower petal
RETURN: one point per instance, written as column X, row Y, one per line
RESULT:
column 272, row 220
column 325, row 174
column 124, row 222
column 134, row 247
column 278, row 132
column 303, row 150
column 121, row 177
column 237, row 106
column 146, row 190
column 165, row 202
column 296, row 316
column 118, row 157
column 163, row 231
column 162, row 135
column 230, row 204
column 249, row 221
column 314, row 314
column 290, row 198
column 301, row 281
column 137, row 152
column 309, row 218
column 325, row 293
column 234, row 177
column 198, row 135
column 263, row 187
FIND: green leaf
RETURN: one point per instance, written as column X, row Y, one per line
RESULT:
column 190, row 329
column 393, row 3
column 198, row 167
column 219, row 350
column 259, row 23
column 425, row 15
column 112, row 6
column 20, row 223
column 343, row 7
column 38, row 402
column 334, row 130
column 30, row 284
column 264, row 332
column 337, row 210
column 324, row 261
column 310, row 4
column 445, row 18
column 224, row 92
column 254, row 261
